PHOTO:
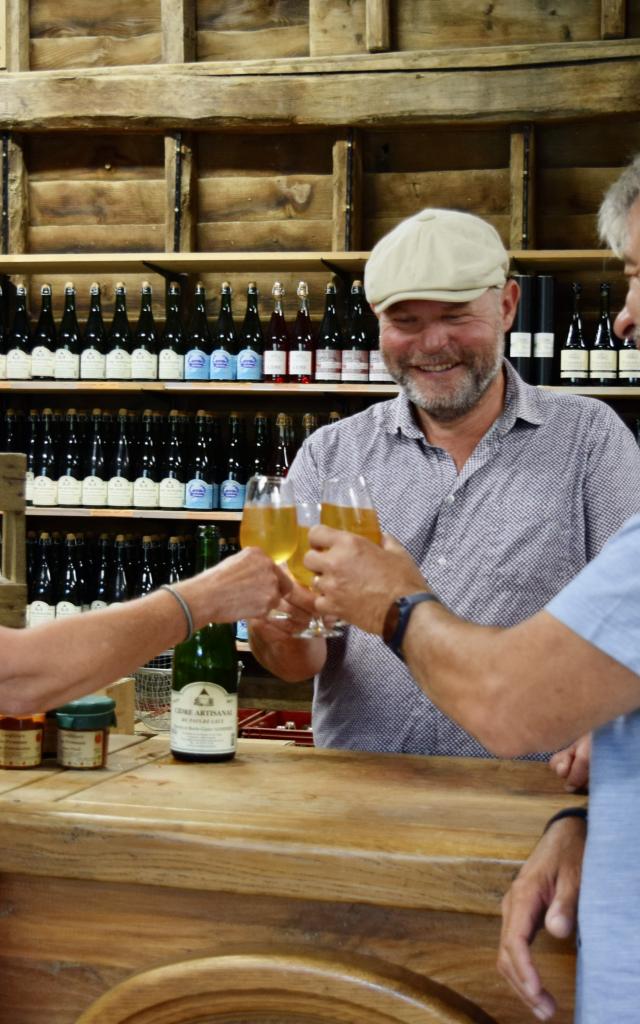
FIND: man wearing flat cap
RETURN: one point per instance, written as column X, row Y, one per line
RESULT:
column 500, row 492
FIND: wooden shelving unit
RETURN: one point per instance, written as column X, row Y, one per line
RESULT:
column 190, row 387
column 131, row 513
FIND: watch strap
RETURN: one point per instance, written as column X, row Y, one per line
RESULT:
column 397, row 619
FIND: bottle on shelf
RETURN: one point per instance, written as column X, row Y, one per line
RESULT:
column 574, row 355
column 603, row 353
column 199, row 488
column 119, row 589
column 145, row 578
column 333, row 417
column 198, row 357
column 224, row 355
column 172, row 343
column 42, row 601
column 276, row 348
column 357, row 342
column 144, row 352
column 3, row 338
column 204, row 686
column 171, row 490
column 300, row 363
column 94, row 482
column 234, row 483
column 69, row 592
column 14, row 439
column 629, row 363
column 309, row 425
column 83, row 562
column 119, row 343
column 543, row 369
column 45, row 464
column 521, row 334
column 280, row 454
column 102, row 576
column 33, row 431
column 120, row 473
column 175, row 571
column 70, row 464
column 258, row 464
column 251, row 344
column 93, row 359
column 43, row 345
column 146, row 481
column 378, row 373
column 67, row 359
column 19, row 340
column 329, row 342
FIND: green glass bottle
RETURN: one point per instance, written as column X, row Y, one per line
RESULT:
column 204, row 687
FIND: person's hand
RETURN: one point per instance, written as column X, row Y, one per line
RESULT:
column 544, row 892
column 357, row 580
column 298, row 604
column 572, row 764
column 243, row 586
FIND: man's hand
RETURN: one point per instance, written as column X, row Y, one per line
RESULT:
column 356, row 579
column 545, row 891
column 299, row 605
column 572, row 764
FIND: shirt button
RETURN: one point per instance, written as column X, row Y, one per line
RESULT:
column 450, row 498
column 442, row 560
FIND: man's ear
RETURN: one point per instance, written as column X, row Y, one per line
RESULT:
column 509, row 302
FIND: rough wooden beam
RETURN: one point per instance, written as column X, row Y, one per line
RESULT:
column 522, row 178
column 181, row 195
column 17, row 20
column 336, row 27
column 18, row 197
column 185, row 97
column 347, row 193
column 3, row 34
column 613, row 19
column 178, row 31
column 378, row 31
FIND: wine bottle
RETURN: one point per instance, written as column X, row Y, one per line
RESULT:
column 67, row 359
column 42, row 602
column 300, row 362
column 329, row 343
column 249, row 365
column 544, row 332
column 120, row 483
column 378, row 373
column 171, row 490
column 574, row 355
column 3, row 337
column 33, row 431
column 94, row 482
column 69, row 590
column 223, row 363
column 13, row 431
column 118, row 356
column 172, row 344
column 259, row 458
column 174, row 568
column 70, row 464
column 276, row 349
column 144, row 354
column 93, row 360
column 44, row 339
column 119, row 589
column 280, row 455
column 45, row 472
column 146, row 481
column 102, row 575
column 83, row 562
column 309, row 425
column 145, row 579
column 603, row 354
column 520, row 336
column 234, row 484
column 199, row 473
column 19, row 340
column 197, row 359
column 355, row 353
column 629, row 363
column 204, row 684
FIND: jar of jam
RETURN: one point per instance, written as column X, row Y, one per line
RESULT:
column 83, row 732
column 21, row 740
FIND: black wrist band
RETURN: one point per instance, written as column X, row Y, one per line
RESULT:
column 567, row 812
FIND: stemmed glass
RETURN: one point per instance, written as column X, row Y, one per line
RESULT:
column 308, row 513
column 347, row 505
column 269, row 521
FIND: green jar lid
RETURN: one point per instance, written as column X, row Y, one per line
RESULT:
column 87, row 713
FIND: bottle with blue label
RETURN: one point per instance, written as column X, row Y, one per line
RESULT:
column 251, row 340
column 197, row 359
column 234, row 482
column 224, row 355
column 199, row 490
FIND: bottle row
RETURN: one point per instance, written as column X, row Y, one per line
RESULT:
column 150, row 461
column 588, row 357
column 341, row 350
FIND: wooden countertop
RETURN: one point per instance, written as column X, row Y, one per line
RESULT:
column 418, row 832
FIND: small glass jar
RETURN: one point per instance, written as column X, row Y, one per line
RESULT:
column 83, row 732
column 21, row 740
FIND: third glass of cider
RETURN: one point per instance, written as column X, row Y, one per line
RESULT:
column 347, row 505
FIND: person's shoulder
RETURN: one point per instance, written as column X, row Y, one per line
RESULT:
column 359, row 425
column 569, row 410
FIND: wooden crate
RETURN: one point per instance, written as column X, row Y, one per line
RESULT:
column 13, row 588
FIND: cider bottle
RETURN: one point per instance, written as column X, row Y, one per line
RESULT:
column 92, row 357
column 19, row 343
column 118, row 361
column 44, row 339
column 225, row 343
column 274, row 365
column 67, row 359
column 172, row 345
column 329, row 346
column 144, row 355
column 574, row 356
column 300, row 364
column 249, row 365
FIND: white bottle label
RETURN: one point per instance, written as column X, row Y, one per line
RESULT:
column 66, row 608
column 118, row 365
column 20, row 749
column 95, row 606
column 603, row 363
column 171, row 493
column 145, row 493
column 629, row 362
column 170, row 365
column 300, row 363
column 92, row 364
column 67, row 365
column 520, row 345
column 274, row 363
column 543, row 345
column 328, row 362
column 18, row 365
column 3, row 367
column 80, row 748
column 204, row 719
column 40, row 611
column 119, row 492
column 42, row 361
column 69, row 491
column 355, row 365
column 144, row 365
column 94, row 491
column 574, row 362
column 45, row 491
column 28, row 487
column 378, row 372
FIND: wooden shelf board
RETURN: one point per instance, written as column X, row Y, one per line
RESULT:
column 594, row 392
column 131, row 513
column 192, row 387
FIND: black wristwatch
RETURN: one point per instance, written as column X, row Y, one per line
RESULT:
column 397, row 619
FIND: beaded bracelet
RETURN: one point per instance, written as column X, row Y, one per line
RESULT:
column 185, row 608
column 567, row 812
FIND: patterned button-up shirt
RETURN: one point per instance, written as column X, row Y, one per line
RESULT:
column 546, row 486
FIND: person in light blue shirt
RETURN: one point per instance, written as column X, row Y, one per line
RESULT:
column 572, row 667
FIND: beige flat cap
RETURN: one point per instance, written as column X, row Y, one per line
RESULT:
column 444, row 255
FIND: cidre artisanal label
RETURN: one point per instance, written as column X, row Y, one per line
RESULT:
column 42, row 361
column 118, row 364
column 170, row 365
column 119, row 492
column 18, row 364
column 93, row 364
column 66, row 365
column 204, row 719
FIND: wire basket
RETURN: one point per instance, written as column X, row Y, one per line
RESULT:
column 153, row 693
